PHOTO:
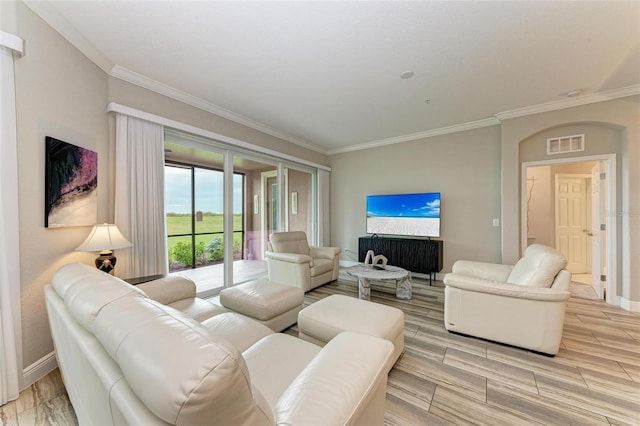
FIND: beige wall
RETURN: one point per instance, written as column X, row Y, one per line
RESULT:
column 621, row 115
column 137, row 97
column 300, row 182
column 61, row 93
column 540, row 219
column 464, row 167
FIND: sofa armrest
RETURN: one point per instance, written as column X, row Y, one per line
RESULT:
column 488, row 271
column 562, row 281
column 324, row 252
column 169, row 289
column 503, row 289
column 288, row 257
column 340, row 382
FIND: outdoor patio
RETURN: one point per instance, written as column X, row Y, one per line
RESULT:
column 211, row 278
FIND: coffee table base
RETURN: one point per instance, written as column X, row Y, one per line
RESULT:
column 403, row 288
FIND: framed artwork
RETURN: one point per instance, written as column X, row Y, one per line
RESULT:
column 71, row 185
column 294, row 203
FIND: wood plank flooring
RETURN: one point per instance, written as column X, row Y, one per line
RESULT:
column 445, row 378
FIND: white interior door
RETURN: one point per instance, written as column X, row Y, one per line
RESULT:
column 571, row 221
column 597, row 236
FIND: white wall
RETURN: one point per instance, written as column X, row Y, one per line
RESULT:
column 464, row 167
column 59, row 93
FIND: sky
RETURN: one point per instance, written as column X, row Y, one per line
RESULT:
column 208, row 188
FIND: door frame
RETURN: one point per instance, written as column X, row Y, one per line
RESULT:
column 265, row 195
column 610, row 206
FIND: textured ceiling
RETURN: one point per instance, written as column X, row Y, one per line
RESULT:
column 327, row 74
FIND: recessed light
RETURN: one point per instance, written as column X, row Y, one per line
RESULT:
column 407, row 74
column 573, row 93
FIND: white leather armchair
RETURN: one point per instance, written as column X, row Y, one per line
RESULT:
column 522, row 305
column 291, row 261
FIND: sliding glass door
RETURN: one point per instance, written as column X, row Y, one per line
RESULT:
column 213, row 193
column 195, row 221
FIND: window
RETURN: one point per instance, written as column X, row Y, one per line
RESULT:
column 195, row 217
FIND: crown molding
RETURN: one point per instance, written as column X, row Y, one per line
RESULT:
column 51, row 16
column 420, row 135
column 498, row 118
column 163, row 89
column 570, row 102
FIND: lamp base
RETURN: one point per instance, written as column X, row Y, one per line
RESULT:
column 106, row 261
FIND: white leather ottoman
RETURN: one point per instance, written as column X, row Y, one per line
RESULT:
column 275, row 305
column 322, row 321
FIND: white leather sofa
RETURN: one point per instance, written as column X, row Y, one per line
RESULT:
column 127, row 359
column 291, row 261
column 522, row 305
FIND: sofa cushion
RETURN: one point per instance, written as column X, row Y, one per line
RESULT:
column 181, row 371
column 261, row 299
column 87, row 290
column 289, row 242
column 275, row 361
column 169, row 289
column 197, row 309
column 241, row 331
column 538, row 267
column 321, row 266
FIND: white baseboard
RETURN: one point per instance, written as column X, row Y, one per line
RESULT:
column 38, row 370
column 629, row 305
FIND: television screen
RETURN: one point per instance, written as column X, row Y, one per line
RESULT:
column 404, row 214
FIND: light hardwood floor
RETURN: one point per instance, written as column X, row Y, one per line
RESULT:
column 444, row 378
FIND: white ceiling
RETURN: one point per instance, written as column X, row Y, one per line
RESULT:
column 326, row 75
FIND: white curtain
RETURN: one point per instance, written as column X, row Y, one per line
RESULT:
column 10, row 327
column 139, row 198
column 324, row 218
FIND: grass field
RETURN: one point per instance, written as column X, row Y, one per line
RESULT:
column 211, row 222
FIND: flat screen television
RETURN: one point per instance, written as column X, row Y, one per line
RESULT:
column 415, row 215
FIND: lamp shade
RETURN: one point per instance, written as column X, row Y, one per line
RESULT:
column 104, row 237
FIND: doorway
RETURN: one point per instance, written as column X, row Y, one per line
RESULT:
column 563, row 206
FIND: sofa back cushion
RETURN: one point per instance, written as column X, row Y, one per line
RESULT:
column 181, row 371
column 290, row 242
column 86, row 290
column 538, row 267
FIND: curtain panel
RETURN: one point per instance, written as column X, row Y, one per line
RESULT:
column 10, row 324
column 139, row 197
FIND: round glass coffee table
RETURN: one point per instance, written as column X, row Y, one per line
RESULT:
column 366, row 273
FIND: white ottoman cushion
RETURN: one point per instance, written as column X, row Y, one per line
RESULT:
column 275, row 305
column 322, row 321
column 261, row 299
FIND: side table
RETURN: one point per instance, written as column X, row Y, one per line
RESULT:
column 140, row 280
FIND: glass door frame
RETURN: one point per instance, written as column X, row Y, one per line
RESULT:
column 229, row 152
column 193, row 234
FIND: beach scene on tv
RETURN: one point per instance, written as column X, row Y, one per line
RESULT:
column 404, row 214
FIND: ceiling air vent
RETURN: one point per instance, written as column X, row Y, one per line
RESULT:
column 565, row 144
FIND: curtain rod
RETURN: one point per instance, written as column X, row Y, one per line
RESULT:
column 12, row 42
column 123, row 109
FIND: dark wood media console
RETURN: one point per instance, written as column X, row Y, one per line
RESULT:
column 421, row 256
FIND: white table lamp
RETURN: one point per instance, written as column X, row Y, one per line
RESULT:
column 104, row 238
